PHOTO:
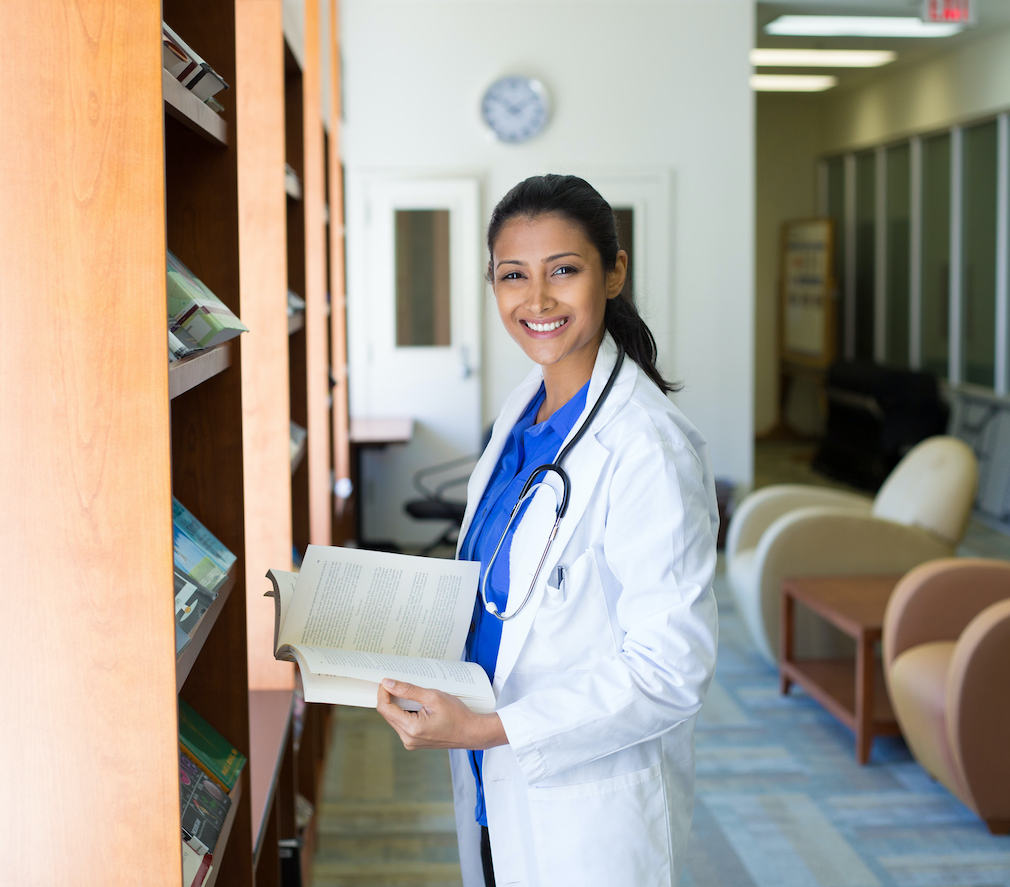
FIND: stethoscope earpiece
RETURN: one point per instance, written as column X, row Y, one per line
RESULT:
column 562, row 502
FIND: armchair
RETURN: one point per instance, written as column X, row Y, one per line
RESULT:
column 919, row 514
column 947, row 666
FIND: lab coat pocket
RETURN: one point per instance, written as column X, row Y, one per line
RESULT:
column 606, row 832
column 574, row 606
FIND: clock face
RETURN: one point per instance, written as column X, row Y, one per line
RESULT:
column 516, row 108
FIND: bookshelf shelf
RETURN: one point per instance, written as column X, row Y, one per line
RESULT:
column 296, row 322
column 185, row 107
column 222, row 840
column 269, row 725
column 187, row 658
column 197, row 368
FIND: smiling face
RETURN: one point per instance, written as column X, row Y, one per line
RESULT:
column 552, row 290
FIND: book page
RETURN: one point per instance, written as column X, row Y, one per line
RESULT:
column 283, row 591
column 376, row 602
column 352, row 678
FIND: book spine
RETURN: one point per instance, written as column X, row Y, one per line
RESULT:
column 220, row 779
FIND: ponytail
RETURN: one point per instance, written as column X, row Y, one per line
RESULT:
column 579, row 202
column 628, row 330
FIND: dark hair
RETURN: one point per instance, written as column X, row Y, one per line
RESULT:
column 579, row 202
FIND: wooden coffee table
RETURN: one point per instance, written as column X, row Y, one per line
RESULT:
column 852, row 690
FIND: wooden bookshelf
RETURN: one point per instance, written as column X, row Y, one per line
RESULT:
column 191, row 371
column 185, row 660
column 185, row 107
column 220, row 860
column 269, row 731
column 103, row 433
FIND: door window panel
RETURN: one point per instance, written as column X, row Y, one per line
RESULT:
column 422, row 278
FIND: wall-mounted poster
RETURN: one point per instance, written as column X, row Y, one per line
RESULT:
column 808, row 292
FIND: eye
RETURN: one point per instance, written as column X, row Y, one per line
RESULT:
column 512, row 275
column 566, row 270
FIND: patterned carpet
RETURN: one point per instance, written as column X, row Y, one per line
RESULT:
column 780, row 799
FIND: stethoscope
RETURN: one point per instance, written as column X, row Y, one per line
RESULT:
column 530, row 488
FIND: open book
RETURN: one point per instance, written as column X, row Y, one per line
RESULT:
column 352, row 617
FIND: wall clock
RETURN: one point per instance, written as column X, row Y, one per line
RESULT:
column 515, row 108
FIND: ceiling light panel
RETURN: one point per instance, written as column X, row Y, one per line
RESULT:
column 792, row 82
column 821, row 58
column 857, row 26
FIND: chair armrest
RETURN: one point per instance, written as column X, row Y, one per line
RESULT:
column 835, row 542
column 978, row 708
column 763, row 507
column 936, row 601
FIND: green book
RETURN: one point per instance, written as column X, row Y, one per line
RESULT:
column 214, row 754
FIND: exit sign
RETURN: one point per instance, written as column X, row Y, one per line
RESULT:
column 962, row 12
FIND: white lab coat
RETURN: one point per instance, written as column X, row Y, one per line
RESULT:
column 600, row 678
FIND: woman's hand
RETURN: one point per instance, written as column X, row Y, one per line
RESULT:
column 442, row 722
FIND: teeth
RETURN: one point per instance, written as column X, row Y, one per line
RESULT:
column 544, row 327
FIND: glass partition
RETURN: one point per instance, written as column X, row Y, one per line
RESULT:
column 836, row 212
column 978, row 287
column 936, row 253
column 866, row 245
column 899, row 197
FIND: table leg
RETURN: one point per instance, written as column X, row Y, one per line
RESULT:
column 864, row 698
column 786, row 638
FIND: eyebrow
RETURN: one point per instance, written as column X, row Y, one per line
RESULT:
column 543, row 261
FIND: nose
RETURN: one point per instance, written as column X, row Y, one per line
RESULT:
column 540, row 300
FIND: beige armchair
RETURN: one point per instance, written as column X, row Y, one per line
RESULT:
column 947, row 666
column 919, row 514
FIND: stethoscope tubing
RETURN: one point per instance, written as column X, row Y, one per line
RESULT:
column 530, row 488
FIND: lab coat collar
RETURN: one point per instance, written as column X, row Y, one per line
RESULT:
column 520, row 397
column 584, row 466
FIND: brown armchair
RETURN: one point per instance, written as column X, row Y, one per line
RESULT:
column 947, row 665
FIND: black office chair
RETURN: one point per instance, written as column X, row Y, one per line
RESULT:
column 435, row 505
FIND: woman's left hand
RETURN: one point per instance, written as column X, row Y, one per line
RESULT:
column 442, row 722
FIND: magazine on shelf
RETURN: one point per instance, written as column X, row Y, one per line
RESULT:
column 208, row 749
column 186, row 66
column 194, row 308
column 192, row 601
column 352, row 617
column 203, row 537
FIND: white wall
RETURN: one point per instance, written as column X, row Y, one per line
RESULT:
column 656, row 88
column 970, row 81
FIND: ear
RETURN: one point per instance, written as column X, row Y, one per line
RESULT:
column 617, row 275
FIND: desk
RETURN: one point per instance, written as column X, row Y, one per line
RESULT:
column 852, row 690
column 374, row 434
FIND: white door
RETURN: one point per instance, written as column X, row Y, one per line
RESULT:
column 415, row 309
column 645, row 200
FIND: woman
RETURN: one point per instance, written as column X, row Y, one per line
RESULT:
column 585, row 772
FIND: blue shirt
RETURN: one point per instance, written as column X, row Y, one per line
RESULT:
column 528, row 446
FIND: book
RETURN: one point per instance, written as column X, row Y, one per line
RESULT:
column 194, row 308
column 203, row 804
column 192, row 601
column 192, row 560
column 203, row 537
column 188, row 67
column 352, row 617
column 208, row 749
column 195, row 866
